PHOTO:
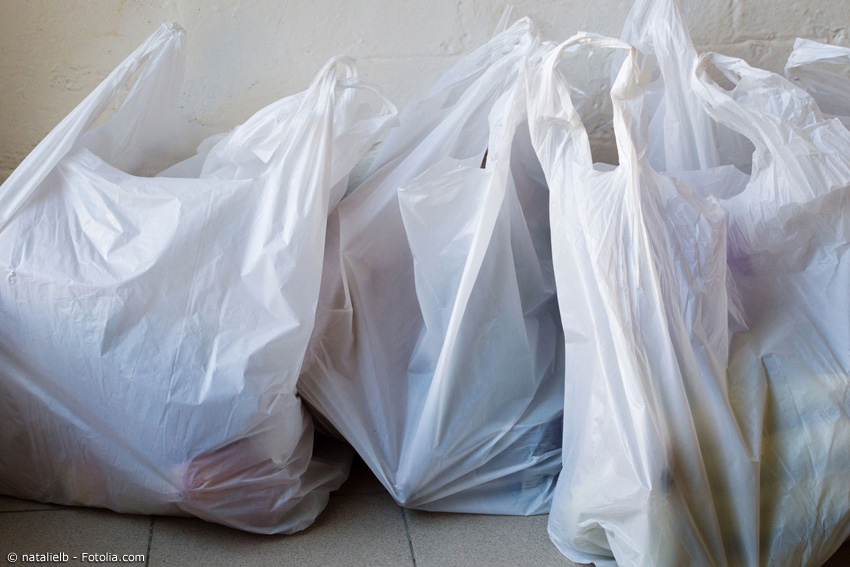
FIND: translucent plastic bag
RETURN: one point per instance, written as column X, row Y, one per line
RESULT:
column 652, row 457
column 762, row 479
column 152, row 328
column 437, row 346
column 789, row 372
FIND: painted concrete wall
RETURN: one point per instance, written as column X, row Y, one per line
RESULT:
column 244, row 54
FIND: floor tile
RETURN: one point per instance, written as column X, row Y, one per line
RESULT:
column 354, row 530
column 9, row 504
column 472, row 540
column 74, row 531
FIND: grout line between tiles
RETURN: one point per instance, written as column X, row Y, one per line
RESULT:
column 409, row 539
column 150, row 539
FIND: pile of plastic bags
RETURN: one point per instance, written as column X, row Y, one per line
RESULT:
column 656, row 350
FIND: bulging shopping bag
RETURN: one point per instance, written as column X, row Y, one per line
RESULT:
column 436, row 351
column 152, row 327
column 788, row 244
column 823, row 71
column 651, row 450
column 772, row 434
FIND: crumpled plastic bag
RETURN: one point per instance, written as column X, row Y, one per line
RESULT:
column 436, row 352
column 710, row 329
column 152, row 328
column 788, row 243
column 640, row 266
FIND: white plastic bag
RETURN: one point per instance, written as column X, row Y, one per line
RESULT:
column 651, row 450
column 436, row 348
column 152, row 328
column 789, row 243
column 823, row 71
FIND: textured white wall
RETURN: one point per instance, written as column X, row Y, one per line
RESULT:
column 243, row 54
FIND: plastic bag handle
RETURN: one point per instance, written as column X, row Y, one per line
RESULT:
column 828, row 86
column 628, row 87
column 690, row 140
column 338, row 72
column 341, row 73
column 351, row 80
column 27, row 177
column 807, row 52
column 766, row 131
column 367, row 131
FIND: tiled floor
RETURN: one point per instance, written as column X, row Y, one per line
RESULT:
column 361, row 526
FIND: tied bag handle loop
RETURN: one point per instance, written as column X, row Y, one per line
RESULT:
column 627, row 95
column 168, row 40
